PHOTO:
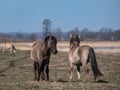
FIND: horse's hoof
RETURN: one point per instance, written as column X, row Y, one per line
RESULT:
column 79, row 80
column 35, row 79
column 47, row 79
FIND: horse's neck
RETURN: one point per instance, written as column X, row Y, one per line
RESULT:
column 46, row 50
column 73, row 46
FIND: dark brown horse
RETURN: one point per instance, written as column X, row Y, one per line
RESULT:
column 40, row 54
column 81, row 56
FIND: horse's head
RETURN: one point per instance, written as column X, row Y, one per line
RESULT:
column 74, row 40
column 51, row 43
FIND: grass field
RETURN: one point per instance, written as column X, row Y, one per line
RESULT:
column 16, row 73
column 63, row 46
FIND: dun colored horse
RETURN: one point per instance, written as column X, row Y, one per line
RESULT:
column 40, row 54
column 10, row 47
column 81, row 56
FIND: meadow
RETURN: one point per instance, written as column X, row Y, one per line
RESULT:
column 16, row 73
column 63, row 46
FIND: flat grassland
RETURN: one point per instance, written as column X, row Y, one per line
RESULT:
column 16, row 73
column 99, row 46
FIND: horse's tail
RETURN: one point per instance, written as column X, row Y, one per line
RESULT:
column 94, row 65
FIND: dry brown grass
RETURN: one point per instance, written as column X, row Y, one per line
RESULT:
column 105, row 46
column 16, row 73
column 64, row 46
column 95, row 43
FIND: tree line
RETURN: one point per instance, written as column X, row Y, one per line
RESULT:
column 104, row 34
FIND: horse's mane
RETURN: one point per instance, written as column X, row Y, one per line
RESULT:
column 43, row 40
column 36, row 42
column 47, row 38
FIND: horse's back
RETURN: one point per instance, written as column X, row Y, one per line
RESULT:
column 37, row 49
column 37, row 42
column 84, row 48
column 8, row 45
column 84, row 52
column 37, row 45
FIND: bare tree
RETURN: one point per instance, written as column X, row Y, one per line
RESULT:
column 106, row 33
column 46, row 27
column 117, row 35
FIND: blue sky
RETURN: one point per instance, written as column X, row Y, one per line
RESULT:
column 28, row 15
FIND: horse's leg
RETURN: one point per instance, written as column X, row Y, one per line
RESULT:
column 35, row 70
column 71, row 71
column 11, row 51
column 3, row 50
column 86, row 71
column 78, row 71
column 42, row 76
column 40, row 71
column 47, row 72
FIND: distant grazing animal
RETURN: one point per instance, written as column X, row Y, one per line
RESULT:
column 81, row 56
column 40, row 54
column 10, row 47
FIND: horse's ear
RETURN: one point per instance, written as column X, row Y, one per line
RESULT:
column 71, row 35
column 46, row 40
column 50, row 38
